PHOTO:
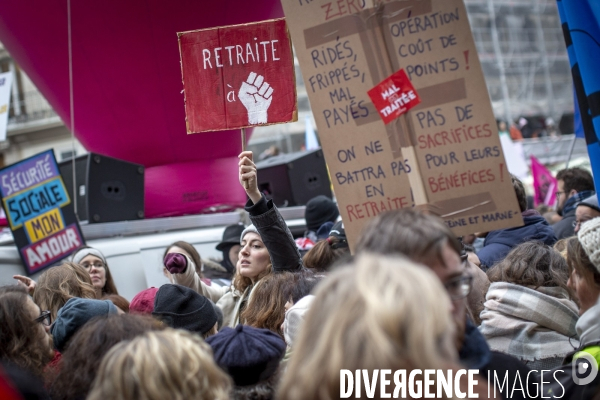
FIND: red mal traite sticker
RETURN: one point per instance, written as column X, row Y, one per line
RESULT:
column 394, row 96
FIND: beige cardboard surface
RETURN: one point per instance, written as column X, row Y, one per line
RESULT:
column 447, row 148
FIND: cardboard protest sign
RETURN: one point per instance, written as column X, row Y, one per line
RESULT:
column 238, row 76
column 39, row 211
column 444, row 154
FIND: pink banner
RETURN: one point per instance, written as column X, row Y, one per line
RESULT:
column 544, row 184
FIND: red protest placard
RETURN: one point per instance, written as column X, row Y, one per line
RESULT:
column 394, row 96
column 238, row 76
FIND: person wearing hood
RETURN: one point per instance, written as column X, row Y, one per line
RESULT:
column 573, row 186
column 587, row 210
column 583, row 260
column 499, row 243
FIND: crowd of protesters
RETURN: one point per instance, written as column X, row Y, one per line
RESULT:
column 280, row 318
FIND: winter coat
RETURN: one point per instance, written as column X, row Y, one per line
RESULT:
column 476, row 354
column 499, row 243
column 563, row 385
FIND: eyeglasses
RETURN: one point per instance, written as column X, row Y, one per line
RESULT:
column 45, row 318
column 575, row 223
column 459, row 287
column 96, row 265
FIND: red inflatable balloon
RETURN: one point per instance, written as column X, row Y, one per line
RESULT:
column 128, row 90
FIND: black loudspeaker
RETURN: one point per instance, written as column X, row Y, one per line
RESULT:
column 108, row 189
column 293, row 179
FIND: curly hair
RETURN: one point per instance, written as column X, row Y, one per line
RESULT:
column 20, row 339
column 79, row 364
column 532, row 264
column 58, row 284
column 575, row 179
column 171, row 364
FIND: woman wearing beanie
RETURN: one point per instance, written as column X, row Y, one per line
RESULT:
column 94, row 262
column 583, row 259
column 267, row 245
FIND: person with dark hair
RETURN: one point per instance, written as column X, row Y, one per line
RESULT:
column 319, row 210
column 573, row 185
column 119, row 301
column 500, row 242
column 587, row 210
column 181, row 307
column 23, row 337
column 528, row 311
column 229, row 246
column 251, row 357
column 427, row 240
column 94, row 262
column 326, row 252
column 75, row 372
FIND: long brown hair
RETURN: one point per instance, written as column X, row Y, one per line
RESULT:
column 78, row 366
column 532, row 264
column 58, row 284
column 20, row 341
column 324, row 254
column 191, row 250
column 266, row 305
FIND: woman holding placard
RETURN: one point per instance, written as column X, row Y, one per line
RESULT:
column 267, row 246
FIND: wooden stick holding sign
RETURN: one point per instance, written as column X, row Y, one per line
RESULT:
column 243, row 131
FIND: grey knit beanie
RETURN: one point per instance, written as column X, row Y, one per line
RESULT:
column 589, row 237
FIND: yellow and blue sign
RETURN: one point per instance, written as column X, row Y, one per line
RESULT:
column 39, row 211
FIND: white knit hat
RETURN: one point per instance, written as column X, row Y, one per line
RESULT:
column 249, row 228
column 589, row 237
column 294, row 318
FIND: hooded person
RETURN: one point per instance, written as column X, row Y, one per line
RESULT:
column 76, row 313
column 500, row 242
column 319, row 210
column 251, row 356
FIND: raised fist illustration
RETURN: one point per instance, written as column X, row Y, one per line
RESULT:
column 256, row 95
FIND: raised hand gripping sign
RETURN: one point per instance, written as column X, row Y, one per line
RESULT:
column 231, row 75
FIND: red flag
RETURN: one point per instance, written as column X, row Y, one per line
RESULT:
column 544, row 184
